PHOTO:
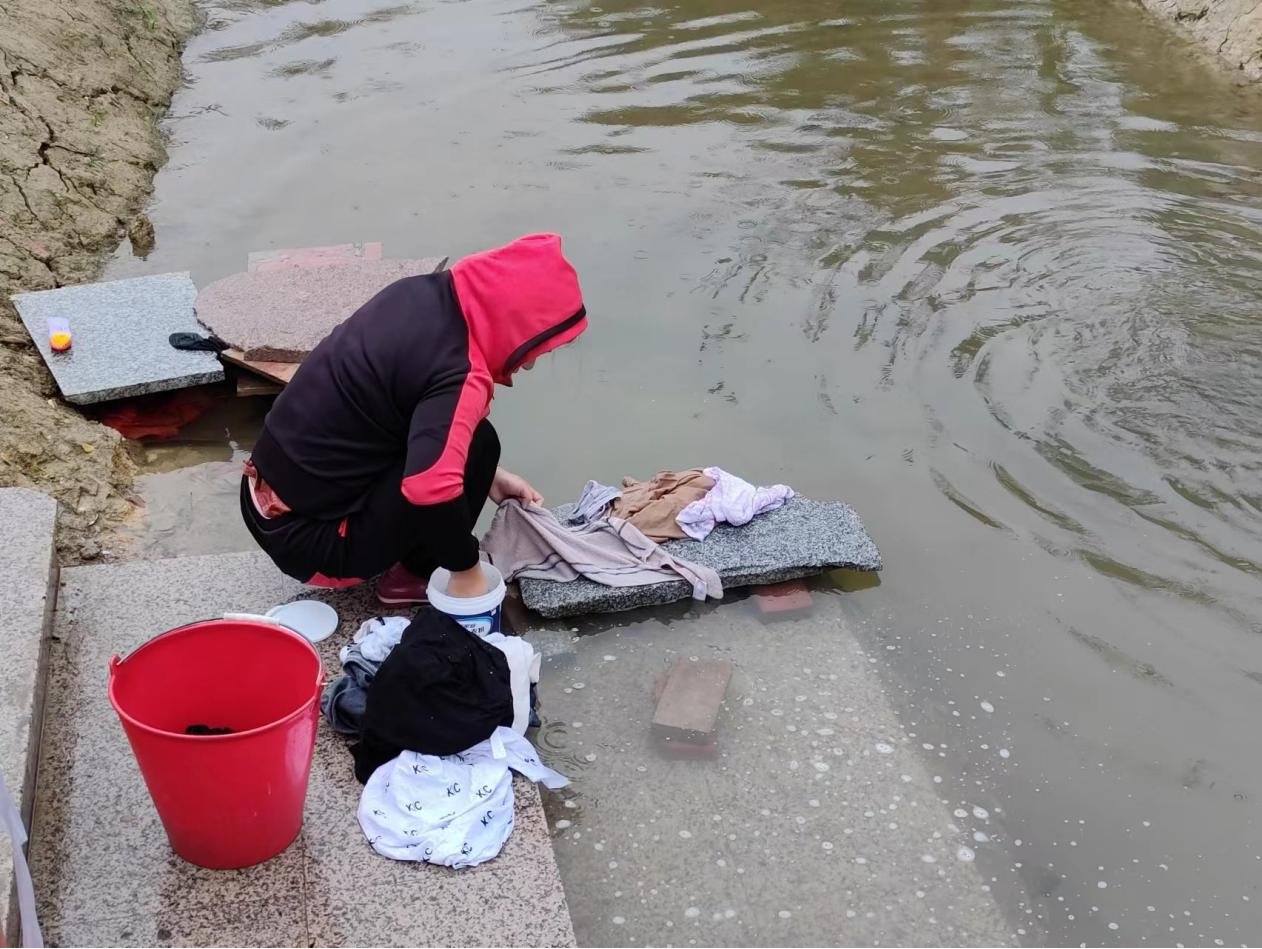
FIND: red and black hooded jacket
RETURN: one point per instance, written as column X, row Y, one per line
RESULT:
column 409, row 376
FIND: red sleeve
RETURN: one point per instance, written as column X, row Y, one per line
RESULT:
column 439, row 435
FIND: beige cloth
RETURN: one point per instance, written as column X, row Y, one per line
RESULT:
column 652, row 506
column 526, row 540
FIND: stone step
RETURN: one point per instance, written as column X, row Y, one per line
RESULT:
column 103, row 868
column 28, row 577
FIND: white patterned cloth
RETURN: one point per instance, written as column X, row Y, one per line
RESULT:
column 455, row 811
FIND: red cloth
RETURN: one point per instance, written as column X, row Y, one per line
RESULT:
column 332, row 583
column 161, row 415
column 266, row 501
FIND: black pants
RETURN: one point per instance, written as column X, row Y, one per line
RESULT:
column 387, row 529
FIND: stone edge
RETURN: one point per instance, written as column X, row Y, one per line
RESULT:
column 25, row 793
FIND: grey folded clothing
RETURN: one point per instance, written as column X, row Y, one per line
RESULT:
column 528, row 541
column 593, row 503
column 346, row 697
column 801, row 538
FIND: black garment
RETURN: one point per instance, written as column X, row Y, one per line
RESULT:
column 208, row 730
column 438, row 692
column 340, row 439
column 197, row 343
column 400, row 387
column 386, row 530
column 348, row 415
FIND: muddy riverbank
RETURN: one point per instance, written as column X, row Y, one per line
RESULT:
column 82, row 86
column 1231, row 29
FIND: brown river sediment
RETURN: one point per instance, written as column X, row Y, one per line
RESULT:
column 82, row 86
column 1230, row 30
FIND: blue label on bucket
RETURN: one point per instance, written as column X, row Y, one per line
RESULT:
column 481, row 624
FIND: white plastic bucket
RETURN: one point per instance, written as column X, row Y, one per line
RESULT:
column 478, row 614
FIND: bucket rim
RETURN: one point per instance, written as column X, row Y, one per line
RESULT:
column 132, row 721
column 467, row 606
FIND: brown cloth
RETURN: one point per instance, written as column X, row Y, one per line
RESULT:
column 652, row 506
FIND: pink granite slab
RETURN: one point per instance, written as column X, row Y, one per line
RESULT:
column 313, row 256
column 281, row 315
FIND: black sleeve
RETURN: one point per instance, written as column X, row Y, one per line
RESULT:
column 447, row 531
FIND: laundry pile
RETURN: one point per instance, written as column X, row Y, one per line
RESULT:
column 678, row 504
column 429, row 698
column 613, row 536
column 526, row 540
column 679, row 534
column 439, row 708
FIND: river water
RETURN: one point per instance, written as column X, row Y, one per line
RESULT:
column 987, row 270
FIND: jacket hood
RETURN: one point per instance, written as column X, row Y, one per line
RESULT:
column 520, row 301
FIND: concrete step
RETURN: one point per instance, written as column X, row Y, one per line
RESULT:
column 104, row 870
column 28, row 576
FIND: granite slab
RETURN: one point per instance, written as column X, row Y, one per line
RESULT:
column 28, row 520
column 104, row 872
column 121, row 332
column 802, row 538
column 281, row 315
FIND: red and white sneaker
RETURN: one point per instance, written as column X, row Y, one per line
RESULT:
column 399, row 586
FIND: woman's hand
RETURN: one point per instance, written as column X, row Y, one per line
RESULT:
column 507, row 486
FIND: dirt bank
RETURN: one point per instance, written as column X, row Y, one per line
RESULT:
column 82, row 85
column 1230, row 28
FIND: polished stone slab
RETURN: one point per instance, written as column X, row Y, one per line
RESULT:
column 121, row 337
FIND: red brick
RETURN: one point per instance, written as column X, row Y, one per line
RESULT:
column 689, row 703
column 778, row 599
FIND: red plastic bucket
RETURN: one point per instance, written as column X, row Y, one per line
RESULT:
column 225, row 800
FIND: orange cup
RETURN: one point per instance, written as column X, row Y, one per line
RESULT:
column 59, row 339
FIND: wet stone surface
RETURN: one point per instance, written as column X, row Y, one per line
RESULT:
column 815, row 823
column 802, row 538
